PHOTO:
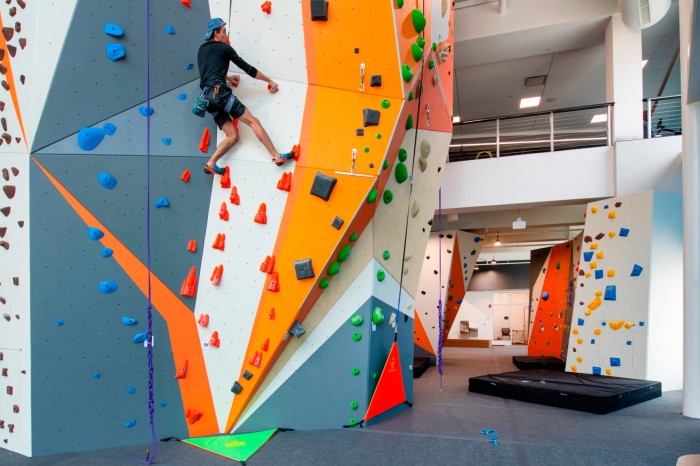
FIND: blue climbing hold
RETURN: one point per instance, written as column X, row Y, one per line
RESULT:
column 580, row 321
column 189, row 66
column 95, row 233
column 90, row 138
column 140, row 337
column 108, row 286
column 166, row 141
column 130, row 423
column 624, row 231
column 114, row 30
column 587, row 256
column 637, row 270
column 545, row 296
column 615, row 362
column 598, row 274
column 459, row 301
column 110, row 129
column 106, row 180
column 477, row 239
column 115, row 52
column 162, row 202
column 131, row 390
column 596, row 370
column 182, row 96
column 96, row 375
column 107, row 252
column 59, row 322
column 163, row 404
column 129, row 321
column 170, row 29
column 610, row 293
column 145, row 110
column 544, row 270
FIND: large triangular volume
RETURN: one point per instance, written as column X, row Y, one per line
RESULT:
column 237, row 447
column 390, row 391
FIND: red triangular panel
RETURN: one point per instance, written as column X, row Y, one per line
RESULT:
column 389, row 392
column 420, row 336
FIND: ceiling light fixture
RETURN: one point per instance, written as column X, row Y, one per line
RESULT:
column 519, row 223
column 498, row 240
column 529, row 102
column 455, row 119
column 599, row 118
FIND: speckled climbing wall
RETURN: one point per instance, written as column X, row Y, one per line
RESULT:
column 252, row 273
column 626, row 319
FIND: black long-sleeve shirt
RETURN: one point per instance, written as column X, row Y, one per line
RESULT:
column 213, row 58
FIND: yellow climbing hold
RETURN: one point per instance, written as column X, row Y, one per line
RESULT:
column 588, row 312
column 574, row 368
column 575, row 331
column 595, row 304
column 594, row 246
column 611, row 273
column 579, row 341
column 599, row 293
column 594, row 265
column 579, row 359
column 594, row 210
column 600, row 255
column 612, row 214
column 611, row 234
column 588, row 274
column 616, row 325
column 608, row 371
column 597, row 331
column 629, row 325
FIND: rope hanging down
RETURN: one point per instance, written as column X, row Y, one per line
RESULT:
column 151, row 455
column 441, row 324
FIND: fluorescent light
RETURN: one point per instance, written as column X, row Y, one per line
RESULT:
column 530, row 102
column 644, row 63
column 455, row 119
column 599, row 118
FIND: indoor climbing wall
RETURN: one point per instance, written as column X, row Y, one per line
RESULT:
column 260, row 280
column 450, row 255
column 626, row 319
column 553, row 304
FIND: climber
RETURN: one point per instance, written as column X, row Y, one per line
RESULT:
column 213, row 60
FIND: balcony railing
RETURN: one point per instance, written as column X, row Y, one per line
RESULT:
column 571, row 128
column 665, row 117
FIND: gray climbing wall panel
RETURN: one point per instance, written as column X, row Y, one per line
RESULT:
column 318, row 395
column 72, row 410
column 86, row 91
column 172, row 119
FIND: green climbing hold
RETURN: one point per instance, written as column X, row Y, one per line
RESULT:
column 399, row 3
column 417, row 52
column 385, row 165
column 418, row 20
column 354, row 405
column 407, row 73
column 334, row 268
column 374, row 376
column 353, row 422
column 431, row 64
column 409, row 122
column 372, row 196
column 403, row 155
column 401, row 173
column 386, row 103
column 386, row 255
column 410, row 96
column 388, row 196
column 473, row 252
column 434, row 47
column 381, row 275
column 420, row 41
column 353, row 236
column 357, row 336
column 355, row 371
column 324, row 283
column 356, row 319
column 377, row 315
column 379, row 135
column 557, row 266
column 344, row 253
column 366, row 149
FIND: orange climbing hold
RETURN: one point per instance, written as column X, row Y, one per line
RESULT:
column 268, row 264
column 256, row 359
column 185, row 175
column 272, row 314
column 192, row 246
column 285, row 183
column 261, row 216
column 192, row 416
column 186, row 3
column 203, row 320
column 182, row 372
column 220, row 242
column 296, row 149
column 234, row 197
column 204, row 142
column 223, row 212
column 266, row 7
column 216, row 275
column 189, row 286
column 226, row 178
column 273, row 284
column 214, row 340
column 266, row 346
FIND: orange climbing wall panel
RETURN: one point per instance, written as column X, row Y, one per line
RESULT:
column 547, row 336
column 455, row 289
column 195, row 390
column 407, row 35
column 420, row 336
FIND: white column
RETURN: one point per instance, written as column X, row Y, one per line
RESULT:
column 623, row 73
column 691, row 224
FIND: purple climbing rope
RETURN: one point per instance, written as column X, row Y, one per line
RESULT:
column 151, row 455
column 441, row 325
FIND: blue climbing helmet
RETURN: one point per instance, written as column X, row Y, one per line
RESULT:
column 212, row 25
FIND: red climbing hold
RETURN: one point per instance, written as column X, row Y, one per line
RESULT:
column 216, row 275
column 226, row 178
column 268, row 264
column 220, row 242
column 261, row 216
column 234, row 197
column 285, row 183
column 204, row 142
column 186, row 3
column 273, row 284
column 266, row 7
column 256, row 359
column 185, row 175
column 296, row 149
column 266, row 346
column 223, row 212
column 214, row 340
column 271, row 315
column 182, row 372
column 203, row 320
column 189, row 286
column 193, row 416
column 192, row 246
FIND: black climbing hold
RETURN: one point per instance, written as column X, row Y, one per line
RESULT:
column 247, row 375
column 375, row 80
column 319, row 10
column 323, row 186
column 304, row 269
column 359, row 132
column 237, row 388
column 370, row 117
column 337, row 223
column 297, row 329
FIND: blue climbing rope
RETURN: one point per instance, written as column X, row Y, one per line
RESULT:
column 151, row 455
column 441, row 325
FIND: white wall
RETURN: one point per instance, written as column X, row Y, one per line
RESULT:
column 648, row 164
column 475, row 308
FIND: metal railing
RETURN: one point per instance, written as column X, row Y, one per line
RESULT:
column 571, row 128
column 665, row 117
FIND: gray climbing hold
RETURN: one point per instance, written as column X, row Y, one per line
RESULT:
column 323, row 186
column 375, row 80
column 337, row 223
column 297, row 330
column 247, row 375
column 304, row 269
column 422, row 164
column 237, row 388
column 424, row 149
column 319, row 10
column 370, row 117
column 415, row 208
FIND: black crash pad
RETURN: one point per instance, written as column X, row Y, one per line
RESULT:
column 538, row 362
column 597, row 394
column 420, row 365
